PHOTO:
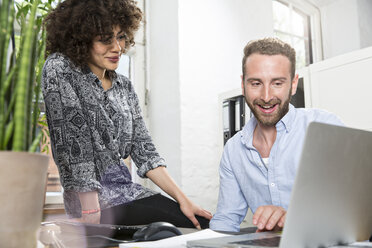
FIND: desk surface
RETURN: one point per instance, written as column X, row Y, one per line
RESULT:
column 51, row 233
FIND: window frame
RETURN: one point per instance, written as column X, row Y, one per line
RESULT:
column 313, row 13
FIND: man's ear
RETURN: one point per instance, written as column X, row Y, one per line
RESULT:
column 242, row 79
column 294, row 84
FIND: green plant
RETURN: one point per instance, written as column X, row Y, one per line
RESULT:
column 20, row 74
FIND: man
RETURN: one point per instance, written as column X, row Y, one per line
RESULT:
column 259, row 163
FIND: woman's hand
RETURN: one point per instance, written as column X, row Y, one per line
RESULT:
column 161, row 178
column 189, row 209
column 94, row 218
column 85, row 218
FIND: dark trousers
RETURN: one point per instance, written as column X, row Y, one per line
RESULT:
column 147, row 210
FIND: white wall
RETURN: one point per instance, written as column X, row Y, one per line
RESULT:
column 342, row 85
column 339, row 21
column 346, row 26
column 365, row 20
column 164, row 95
column 195, row 54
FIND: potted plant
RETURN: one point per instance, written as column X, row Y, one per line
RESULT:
column 22, row 169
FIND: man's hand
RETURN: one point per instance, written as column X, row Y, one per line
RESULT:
column 268, row 218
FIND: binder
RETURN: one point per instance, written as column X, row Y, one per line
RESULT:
column 235, row 115
column 228, row 119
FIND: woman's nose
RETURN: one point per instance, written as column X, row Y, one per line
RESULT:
column 116, row 45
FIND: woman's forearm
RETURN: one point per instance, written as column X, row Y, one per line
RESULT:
column 89, row 200
column 90, row 209
column 161, row 177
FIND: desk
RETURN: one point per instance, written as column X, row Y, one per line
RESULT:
column 53, row 235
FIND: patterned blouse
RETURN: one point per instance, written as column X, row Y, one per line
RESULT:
column 91, row 130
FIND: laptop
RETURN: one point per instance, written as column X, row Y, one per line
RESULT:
column 107, row 230
column 331, row 200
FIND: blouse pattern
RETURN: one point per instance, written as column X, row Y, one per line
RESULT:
column 91, row 131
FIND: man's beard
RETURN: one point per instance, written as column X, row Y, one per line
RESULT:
column 269, row 120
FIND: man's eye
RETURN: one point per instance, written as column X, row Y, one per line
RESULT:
column 255, row 83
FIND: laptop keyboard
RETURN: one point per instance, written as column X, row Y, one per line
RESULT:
column 108, row 230
column 267, row 242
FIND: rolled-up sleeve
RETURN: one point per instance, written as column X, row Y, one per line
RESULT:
column 143, row 153
column 69, row 132
column 232, row 206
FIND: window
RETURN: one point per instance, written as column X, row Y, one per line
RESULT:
column 298, row 27
column 125, row 66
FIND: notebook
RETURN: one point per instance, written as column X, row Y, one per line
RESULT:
column 331, row 201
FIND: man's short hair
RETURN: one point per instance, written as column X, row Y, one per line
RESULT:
column 270, row 46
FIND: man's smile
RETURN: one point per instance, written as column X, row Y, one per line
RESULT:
column 268, row 109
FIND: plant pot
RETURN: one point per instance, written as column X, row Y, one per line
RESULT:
column 22, row 184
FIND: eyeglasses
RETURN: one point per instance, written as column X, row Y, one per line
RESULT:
column 107, row 40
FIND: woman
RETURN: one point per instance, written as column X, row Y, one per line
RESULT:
column 95, row 120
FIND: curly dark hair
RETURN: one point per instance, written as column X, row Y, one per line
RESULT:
column 73, row 24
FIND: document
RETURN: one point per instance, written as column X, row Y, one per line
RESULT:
column 361, row 244
column 175, row 242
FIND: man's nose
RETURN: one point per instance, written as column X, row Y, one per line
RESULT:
column 266, row 94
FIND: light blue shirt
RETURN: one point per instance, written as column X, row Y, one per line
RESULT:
column 245, row 182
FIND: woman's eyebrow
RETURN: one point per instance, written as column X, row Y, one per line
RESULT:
column 106, row 34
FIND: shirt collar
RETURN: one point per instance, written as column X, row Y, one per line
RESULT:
column 89, row 74
column 284, row 124
column 112, row 74
column 247, row 132
column 115, row 78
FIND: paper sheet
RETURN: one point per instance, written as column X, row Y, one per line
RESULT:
column 362, row 244
column 175, row 242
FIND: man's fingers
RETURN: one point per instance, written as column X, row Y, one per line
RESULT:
column 257, row 215
column 262, row 221
column 282, row 220
column 264, row 217
column 274, row 218
column 268, row 217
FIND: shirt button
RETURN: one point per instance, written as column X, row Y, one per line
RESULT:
column 272, row 184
